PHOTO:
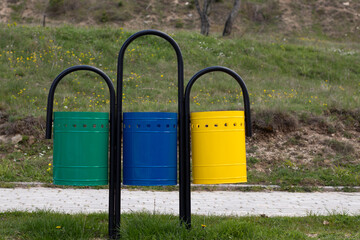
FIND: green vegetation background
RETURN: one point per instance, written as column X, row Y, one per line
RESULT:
column 294, row 77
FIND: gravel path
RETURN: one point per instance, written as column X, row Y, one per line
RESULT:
column 205, row 203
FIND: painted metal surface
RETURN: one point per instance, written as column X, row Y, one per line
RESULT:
column 81, row 148
column 218, row 147
column 150, row 148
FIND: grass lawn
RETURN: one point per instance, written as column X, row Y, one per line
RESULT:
column 49, row 225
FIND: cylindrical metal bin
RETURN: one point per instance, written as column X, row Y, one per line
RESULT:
column 218, row 147
column 81, row 148
column 149, row 148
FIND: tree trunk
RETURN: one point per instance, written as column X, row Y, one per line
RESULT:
column 231, row 18
column 204, row 13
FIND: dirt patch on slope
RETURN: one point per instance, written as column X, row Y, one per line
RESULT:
column 32, row 128
column 332, row 17
column 311, row 142
column 5, row 11
column 304, row 147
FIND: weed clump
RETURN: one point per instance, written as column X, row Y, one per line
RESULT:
column 275, row 120
column 29, row 126
column 59, row 7
column 339, row 147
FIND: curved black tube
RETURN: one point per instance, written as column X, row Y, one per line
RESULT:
column 119, row 90
column 49, row 120
column 248, row 131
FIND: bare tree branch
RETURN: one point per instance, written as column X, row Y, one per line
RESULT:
column 230, row 20
column 204, row 13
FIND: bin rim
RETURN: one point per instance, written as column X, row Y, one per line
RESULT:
column 216, row 114
column 67, row 113
column 149, row 115
column 81, row 115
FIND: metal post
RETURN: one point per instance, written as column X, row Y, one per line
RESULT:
column 119, row 91
column 187, row 217
column 113, row 138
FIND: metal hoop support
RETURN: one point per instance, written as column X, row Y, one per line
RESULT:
column 119, row 90
column 113, row 140
column 116, row 127
column 186, row 170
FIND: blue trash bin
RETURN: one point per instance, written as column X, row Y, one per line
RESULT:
column 149, row 148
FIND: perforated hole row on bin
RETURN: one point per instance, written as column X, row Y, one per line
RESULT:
column 227, row 124
column 149, row 125
column 84, row 125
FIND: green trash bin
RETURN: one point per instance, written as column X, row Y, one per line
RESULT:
column 81, row 148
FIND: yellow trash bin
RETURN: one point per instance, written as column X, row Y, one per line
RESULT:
column 218, row 147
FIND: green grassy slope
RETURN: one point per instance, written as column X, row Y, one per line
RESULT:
column 295, row 74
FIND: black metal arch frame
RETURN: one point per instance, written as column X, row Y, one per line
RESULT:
column 187, row 198
column 119, row 91
column 116, row 127
column 113, row 138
